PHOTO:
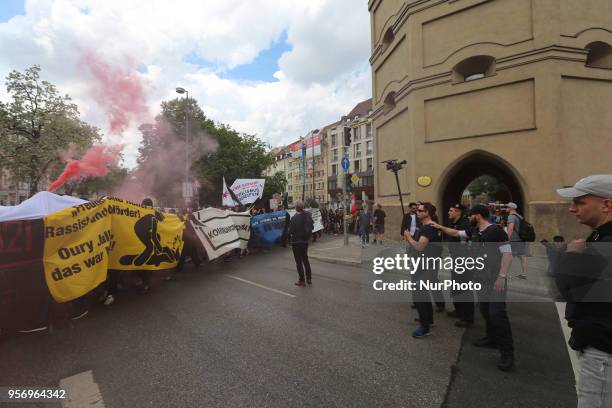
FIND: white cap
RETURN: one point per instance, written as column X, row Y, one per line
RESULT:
column 599, row 185
column 512, row 205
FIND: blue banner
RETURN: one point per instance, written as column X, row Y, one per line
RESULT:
column 267, row 229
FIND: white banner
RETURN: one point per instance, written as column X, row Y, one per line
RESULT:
column 226, row 198
column 315, row 213
column 247, row 191
column 220, row 231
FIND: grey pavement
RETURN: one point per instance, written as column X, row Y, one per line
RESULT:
column 240, row 334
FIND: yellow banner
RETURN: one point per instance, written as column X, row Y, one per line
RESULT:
column 83, row 242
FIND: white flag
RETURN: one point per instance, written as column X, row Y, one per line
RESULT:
column 227, row 197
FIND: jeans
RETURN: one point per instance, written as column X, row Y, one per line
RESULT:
column 300, row 253
column 594, row 379
column 493, row 310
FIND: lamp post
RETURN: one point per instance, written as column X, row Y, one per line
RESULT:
column 187, row 191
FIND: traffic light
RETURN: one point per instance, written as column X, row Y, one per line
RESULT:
column 348, row 183
column 347, row 136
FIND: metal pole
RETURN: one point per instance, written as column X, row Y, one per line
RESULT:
column 345, row 218
column 186, row 144
column 313, row 164
column 399, row 190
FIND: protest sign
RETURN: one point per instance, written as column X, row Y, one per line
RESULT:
column 247, row 191
column 82, row 242
column 220, row 231
column 316, row 218
column 267, row 229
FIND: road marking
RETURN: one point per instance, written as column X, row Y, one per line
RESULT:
column 566, row 333
column 81, row 391
column 261, row 286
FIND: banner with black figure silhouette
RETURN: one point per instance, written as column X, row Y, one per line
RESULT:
column 81, row 243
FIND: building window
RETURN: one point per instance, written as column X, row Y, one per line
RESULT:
column 357, row 150
column 357, row 133
column 369, row 150
column 357, row 166
column 335, row 155
column 367, row 181
column 334, row 169
column 334, row 140
column 389, row 103
column 600, row 55
column 473, row 68
column 369, row 163
column 332, row 184
column 388, row 38
column 368, row 131
column 345, row 152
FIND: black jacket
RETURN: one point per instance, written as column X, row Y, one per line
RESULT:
column 407, row 223
column 585, row 281
column 301, row 228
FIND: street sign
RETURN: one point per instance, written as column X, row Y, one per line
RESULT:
column 355, row 179
column 345, row 164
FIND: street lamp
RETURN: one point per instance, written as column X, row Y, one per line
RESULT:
column 187, row 193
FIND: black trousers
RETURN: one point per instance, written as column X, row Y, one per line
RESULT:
column 300, row 253
column 422, row 299
column 493, row 310
column 463, row 300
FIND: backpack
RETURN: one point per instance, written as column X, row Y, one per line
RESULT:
column 526, row 231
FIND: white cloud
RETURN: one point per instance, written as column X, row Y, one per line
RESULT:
column 322, row 77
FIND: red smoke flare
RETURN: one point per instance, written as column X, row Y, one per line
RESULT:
column 95, row 163
column 119, row 91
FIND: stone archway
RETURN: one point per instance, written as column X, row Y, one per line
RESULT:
column 472, row 166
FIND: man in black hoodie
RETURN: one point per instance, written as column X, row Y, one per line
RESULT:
column 300, row 231
column 584, row 277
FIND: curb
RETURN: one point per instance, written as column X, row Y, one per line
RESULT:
column 328, row 259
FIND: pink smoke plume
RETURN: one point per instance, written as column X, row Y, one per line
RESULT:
column 95, row 163
column 120, row 91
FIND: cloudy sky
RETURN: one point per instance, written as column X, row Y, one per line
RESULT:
column 275, row 68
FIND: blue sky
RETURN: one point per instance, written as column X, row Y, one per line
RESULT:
column 261, row 69
column 10, row 8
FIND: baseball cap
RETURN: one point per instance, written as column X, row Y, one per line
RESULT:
column 460, row 207
column 480, row 209
column 599, row 185
column 512, row 205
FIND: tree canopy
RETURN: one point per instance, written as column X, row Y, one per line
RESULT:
column 37, row 126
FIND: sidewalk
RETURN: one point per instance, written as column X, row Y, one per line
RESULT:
column 331, row 249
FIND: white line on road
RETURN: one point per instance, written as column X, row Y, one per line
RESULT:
column 81, row 391
column 261, row 286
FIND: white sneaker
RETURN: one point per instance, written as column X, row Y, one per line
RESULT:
column 81, row 315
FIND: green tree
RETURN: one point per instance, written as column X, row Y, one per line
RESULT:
column 37, row 126
column 485, row 184
column 216, row 151
column 274, row 184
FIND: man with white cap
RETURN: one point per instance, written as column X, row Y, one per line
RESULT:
column 519, row 247
column 584, row 278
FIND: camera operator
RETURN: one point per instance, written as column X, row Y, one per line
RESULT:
column 584, row 277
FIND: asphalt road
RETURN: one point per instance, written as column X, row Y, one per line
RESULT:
column 240, row 334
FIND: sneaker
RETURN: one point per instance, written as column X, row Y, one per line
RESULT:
column 485, row 342
column 464, row 324
column 506, row 363
column 81, row 315
column 522, row 276
column 34, row 330
column 421, row 332
column 300, row 283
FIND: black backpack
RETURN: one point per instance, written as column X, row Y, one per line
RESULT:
column 526, row 231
